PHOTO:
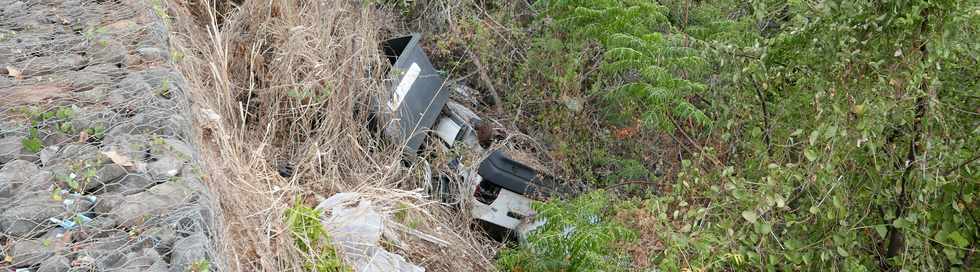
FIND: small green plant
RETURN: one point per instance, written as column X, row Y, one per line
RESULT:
column 97, row 132
column 164, row 88
column 6, row 34
column 402, row 216
column 33, row 142
column 578, row 236
column 311, row 238
column 201, row 266
column 80, row 174
column 160, row 10
column 177, row 55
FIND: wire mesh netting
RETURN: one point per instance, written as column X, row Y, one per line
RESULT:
column 97, row 169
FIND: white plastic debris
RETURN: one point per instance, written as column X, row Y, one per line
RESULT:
column 71, row 224
column 356, row 229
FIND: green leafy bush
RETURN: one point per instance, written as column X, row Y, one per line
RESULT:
column 849, row 153
column 33, row 142
column 311, row 238
column 644, row 65
column 578, row 236
column 824, row 135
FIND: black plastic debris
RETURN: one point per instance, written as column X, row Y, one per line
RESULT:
column 285, row 169
column 416, row 93
column 517, row 177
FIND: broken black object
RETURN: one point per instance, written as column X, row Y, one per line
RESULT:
column 442, row 189
column 416, row 93
column 486, row 192
column 285, row 169
column 518, row 178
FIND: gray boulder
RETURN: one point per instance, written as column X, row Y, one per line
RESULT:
column 142, row 260
column 154, row 201
column 12, row 148
column 152, row 54
column 189, row 250
column 130, row 184
column 31, row 252
column 107, row 253
column 29, row 214
column 77, row 204
column 160, row 120
column 109, row 69
column 76, row 176
column 77, row 153
column 108, row 202
column 57, row 263
column 48, row 64
column 100, row 227
column 132, row 147
column 107, row 50
column 56, row 137
column 14, row 175
column 81, row 81
column 162, row 238
column 170, row 157
column 105, row 175
column 48, row 154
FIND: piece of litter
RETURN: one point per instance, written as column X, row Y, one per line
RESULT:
column 14, row 72
column 68, row 225
column 211, row 115
column 356, row 229
column 119, row 159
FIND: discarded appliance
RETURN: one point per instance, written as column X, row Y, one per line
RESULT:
column 517, row 177
column 499, row 189
column 416, row 94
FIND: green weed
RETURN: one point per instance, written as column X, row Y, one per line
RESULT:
column 311, row 238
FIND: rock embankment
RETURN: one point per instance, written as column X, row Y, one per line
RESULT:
column 98, row 170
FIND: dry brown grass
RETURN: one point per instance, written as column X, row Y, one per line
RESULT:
column 251, row 71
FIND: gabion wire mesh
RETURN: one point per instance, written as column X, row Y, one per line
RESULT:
column 98, row 170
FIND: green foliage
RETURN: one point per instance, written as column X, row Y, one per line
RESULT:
column 661, row 93
column 578, row 236
column 852, row 151
column 80, row 174
column 96, row 132
column 846, row 131
column 33, row 142
column 646, row 68
column 311, row 238
column 200, row 266
column 612, row 60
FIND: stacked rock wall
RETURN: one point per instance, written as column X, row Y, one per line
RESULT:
column 98, row 168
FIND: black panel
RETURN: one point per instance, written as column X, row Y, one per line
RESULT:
column 517, row 177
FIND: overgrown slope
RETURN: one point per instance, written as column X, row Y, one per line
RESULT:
column 791, row 135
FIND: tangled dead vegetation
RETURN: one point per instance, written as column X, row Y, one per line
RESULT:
column 284, row 85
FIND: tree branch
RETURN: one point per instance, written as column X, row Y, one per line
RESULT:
column 497, row 104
